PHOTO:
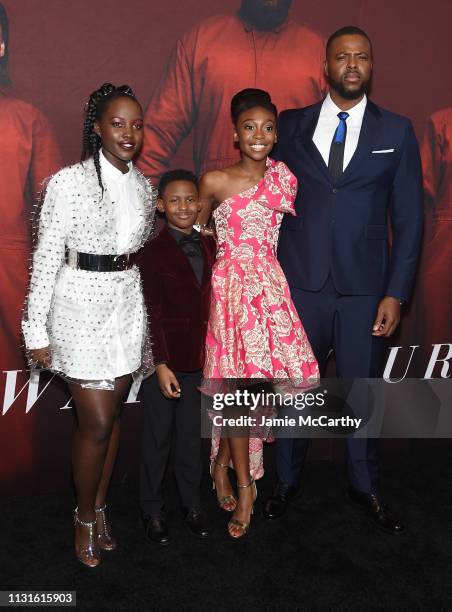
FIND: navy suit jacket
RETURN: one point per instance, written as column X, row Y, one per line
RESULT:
column 344, row 227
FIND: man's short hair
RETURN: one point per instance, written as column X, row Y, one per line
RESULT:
column 347, row 31
column 176, row 175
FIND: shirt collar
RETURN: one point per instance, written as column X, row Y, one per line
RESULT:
column 111, row 172
column 356, row 113
column 177, row 234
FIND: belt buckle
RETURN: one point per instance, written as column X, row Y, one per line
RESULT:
column 124, row 260
column 120, row 262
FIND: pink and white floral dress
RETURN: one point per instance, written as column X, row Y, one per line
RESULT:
column 254, row 330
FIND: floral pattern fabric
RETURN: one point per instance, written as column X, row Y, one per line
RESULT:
column 254, row 330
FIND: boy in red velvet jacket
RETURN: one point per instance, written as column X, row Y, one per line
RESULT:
column 176, row 270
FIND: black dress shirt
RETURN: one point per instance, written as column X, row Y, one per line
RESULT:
column 191, row 246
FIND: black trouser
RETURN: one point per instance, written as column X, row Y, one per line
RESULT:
column 163, row 419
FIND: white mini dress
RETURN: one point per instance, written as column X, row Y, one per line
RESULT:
column 94, row 322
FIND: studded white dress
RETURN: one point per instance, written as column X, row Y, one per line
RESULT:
column 94, row 322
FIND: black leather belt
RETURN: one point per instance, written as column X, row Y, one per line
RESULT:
column 99, row 263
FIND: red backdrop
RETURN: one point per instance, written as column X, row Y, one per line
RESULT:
column 60, row 51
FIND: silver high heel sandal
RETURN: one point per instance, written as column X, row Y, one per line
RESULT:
column 89, row 554
column 105, row 538
column 227, row 502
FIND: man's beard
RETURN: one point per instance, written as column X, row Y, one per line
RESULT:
column 263, row 16
column 348, row 94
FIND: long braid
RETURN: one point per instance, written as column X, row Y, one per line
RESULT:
column 94, row 109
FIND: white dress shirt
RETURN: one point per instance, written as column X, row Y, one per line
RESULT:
column 328, row 122
column 123, row 192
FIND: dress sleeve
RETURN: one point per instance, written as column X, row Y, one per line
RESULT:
column 283, row 189
column 47, row 260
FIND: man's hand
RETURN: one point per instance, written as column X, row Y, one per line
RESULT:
column 41, row 356
column 388, row 317
column 169, row 385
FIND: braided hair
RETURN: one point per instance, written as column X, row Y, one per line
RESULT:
column 94, row 109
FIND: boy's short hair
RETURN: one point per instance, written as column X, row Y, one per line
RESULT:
column 176, row 175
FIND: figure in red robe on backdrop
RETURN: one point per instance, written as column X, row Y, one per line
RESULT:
column 28, row 154
column 259, row 46
column 434, row 320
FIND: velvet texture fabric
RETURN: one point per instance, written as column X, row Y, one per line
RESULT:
column 177, row 304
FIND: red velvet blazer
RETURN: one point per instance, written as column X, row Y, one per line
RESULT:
column 178, row 306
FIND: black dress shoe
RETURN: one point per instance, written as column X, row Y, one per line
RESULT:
column 379, row 513
column 276, row 505
column 156, row 529
column 196, row 522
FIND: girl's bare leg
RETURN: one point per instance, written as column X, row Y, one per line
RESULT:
column 238, row 438
column 221, row 475
column 240, row 456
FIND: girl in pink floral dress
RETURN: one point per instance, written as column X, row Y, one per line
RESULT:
column 254, row 331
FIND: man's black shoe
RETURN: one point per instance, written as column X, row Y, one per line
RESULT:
column 380, row 514
column 196, row 522
column 156, row 529
column 276, row 505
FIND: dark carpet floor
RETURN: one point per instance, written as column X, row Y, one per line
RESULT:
column 324, row 555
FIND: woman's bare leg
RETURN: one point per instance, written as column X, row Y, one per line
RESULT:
column 97, row 411
column 121, row 388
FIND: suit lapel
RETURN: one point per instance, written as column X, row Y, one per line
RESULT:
column 367, row 136
column 308, row 123
column 180, row 259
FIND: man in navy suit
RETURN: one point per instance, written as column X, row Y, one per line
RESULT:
column 357, row 165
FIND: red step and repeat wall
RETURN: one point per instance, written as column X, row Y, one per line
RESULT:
column 59, row 51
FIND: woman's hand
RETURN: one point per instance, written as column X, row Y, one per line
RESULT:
column 169, row 385
column 41, row 356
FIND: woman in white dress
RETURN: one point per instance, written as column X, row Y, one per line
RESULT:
column 85, row 317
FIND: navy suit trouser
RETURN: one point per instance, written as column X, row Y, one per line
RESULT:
column 342, row 323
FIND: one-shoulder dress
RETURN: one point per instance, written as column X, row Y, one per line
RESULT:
column 254, row 330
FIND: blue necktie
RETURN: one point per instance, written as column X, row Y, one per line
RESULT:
column 336, row 157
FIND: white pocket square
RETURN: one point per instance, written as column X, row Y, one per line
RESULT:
column 384, row 151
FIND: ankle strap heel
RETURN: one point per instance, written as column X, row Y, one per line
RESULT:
column 226, row 502
column 89, row 554
column 105, row 538
column 242, row 526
